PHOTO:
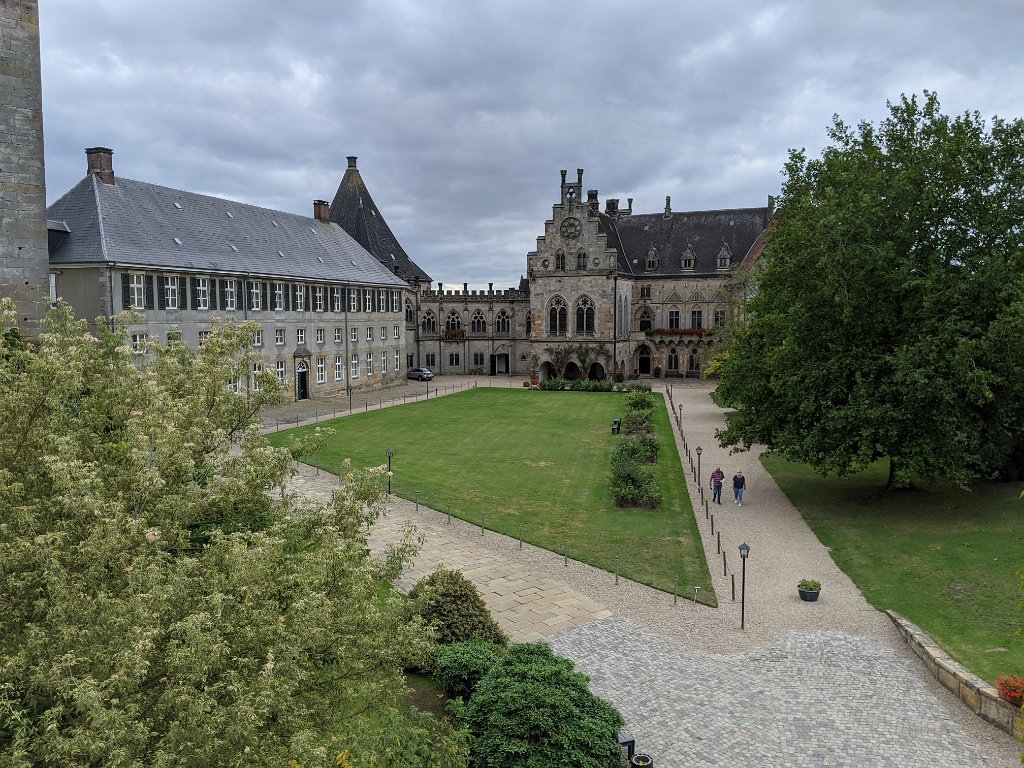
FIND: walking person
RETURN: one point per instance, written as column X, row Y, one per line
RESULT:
column 717, row 478
column 739, row 483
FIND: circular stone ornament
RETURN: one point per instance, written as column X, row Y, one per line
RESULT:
column 571, row 228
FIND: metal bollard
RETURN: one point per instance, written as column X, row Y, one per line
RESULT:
column 719, row 540
column 481, row 523
column 520, row 537
column 712, row 525
column 449, row 512
column 616, row 571
column 734, row 587
column 565, row 557
column 675, row 592
column 725, row 568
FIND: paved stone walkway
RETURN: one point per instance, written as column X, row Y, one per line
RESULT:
column 825, row 684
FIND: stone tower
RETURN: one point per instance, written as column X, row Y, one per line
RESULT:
column 23, row 250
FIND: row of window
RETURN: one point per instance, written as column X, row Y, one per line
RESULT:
column 646, row 319
column 281, row 369
column 477, row 324
column 142, row 291
column 320, row 335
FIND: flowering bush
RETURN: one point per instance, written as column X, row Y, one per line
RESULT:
column 1011, row 688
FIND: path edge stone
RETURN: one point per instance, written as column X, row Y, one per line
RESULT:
column 976, row 694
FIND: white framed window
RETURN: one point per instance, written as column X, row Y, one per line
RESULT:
column 300, row 336
column 336, row 299
column 202, row 293
column 171, row 293
column 398, row 361
column 383, row 362
column 369, row 363
column 719, row 317
column 300, row 298
column 367, row 300
column 382, row 300
column 354, row 367
column 254, row 295
column 321, row 370
column 396, row 301
column 257, row 338
column 337, row 335
column 257, row 369
column 369, row 333
column 234, row 385
column 339, row 368
column 318, row 298
column 137, row 291
column 201, row 338
column 353, row 300
column 397, row 332
column 383, row 333
column 139, row 343
column 354, row 335
column 279, row 336
column 229, row 294
column 281, row 370
column 320, row 335
column 279, row 297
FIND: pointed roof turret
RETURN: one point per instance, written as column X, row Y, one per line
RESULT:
column 354, row 211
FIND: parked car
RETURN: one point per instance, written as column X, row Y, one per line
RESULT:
column 423, row 374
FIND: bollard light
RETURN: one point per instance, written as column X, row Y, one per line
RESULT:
column 391, row 452
column 699, row 476
column 744, row 551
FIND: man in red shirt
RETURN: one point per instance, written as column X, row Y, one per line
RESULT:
column 717, row 478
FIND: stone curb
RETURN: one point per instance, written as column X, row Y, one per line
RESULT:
column 980, row 697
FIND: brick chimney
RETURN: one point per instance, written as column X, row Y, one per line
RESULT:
column 592, row 200
column 322, row 211
column 100, row 163
column 611, row 206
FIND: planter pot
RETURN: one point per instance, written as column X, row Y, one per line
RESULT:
column 808, row 595
column 642, row 759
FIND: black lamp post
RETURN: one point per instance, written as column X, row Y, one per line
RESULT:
column 391, row 452
column 744, row 551
column 699, row 478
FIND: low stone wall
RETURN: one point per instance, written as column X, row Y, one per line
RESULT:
column 982, row 698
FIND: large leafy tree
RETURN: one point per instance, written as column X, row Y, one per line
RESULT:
column 889, row 315
column 165, row 602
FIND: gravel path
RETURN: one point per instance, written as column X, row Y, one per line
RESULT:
column 805, row 684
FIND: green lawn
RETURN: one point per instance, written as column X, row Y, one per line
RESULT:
column 947, row 559
column 535, row 462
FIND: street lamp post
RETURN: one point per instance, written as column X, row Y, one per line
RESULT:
column 744, row 551
column 699, row 478
column 391, row 452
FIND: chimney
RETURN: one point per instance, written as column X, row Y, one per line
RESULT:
column 629, row 202
column 579, row 176
column 465, row 289
column 668, row 206
column 351, row 161
column 321, row 211
column 490, row 288
column 100, row 163
column 611, row 206
column 592, row 200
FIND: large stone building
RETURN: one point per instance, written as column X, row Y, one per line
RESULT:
column 330, row 316
column 607, row 293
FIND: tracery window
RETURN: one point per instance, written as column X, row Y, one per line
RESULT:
column 652, row 258
column 559, row 261
column 581, row 260
column 558, row 317
column 453, row 322
column 502, row 323
column 585, row 316
column 429, row 322
column 646, row 320
column 479, row 323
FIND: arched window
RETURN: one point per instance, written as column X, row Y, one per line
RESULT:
column 408, row 312
column 673, row 360
column 529, row 324
column 585, row 317
column 692, row 365
column 581, row 259
column 646, row 320
column 559, row 261
column 557, row 317
column 453, row 322
column 429, row 322
column 652, row 258
column 502, row 323
column 478, row 324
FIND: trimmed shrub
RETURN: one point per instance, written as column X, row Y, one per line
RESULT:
column 637, row 386
column 553, row 384
column 458, row 667
column 633, row 485
column 639, row 399
column 532, row 710
column 642, row 449
column 449, row 602
column 637, row 421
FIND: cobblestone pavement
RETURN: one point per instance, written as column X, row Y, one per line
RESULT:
column 822, row 684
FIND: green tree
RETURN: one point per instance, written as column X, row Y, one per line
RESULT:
column 125, row 640
column 889, row 309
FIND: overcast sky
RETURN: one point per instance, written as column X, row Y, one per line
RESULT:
column 463, row 113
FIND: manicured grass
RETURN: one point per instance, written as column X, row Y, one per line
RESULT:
column 537, row 463
column 949, row 560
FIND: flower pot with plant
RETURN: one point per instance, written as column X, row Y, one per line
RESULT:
column 809, row 590
column 1011, row 688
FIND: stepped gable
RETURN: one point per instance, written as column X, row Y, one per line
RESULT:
column 705, row 232
column 133, row 223
column 354, row 211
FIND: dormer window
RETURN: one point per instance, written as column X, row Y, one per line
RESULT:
column 724, row 257
column 689, row 259
column 652, row 258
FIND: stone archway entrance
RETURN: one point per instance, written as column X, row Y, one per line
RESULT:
column 301, row 380
column 572, row 371
column 643, row 360
column 596, row 372
column 547, row 371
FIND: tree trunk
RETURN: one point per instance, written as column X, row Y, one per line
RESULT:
column 898, row 481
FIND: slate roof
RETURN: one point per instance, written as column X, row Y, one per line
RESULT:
column 703, row 232
column 354, row 211
column 132, row 223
